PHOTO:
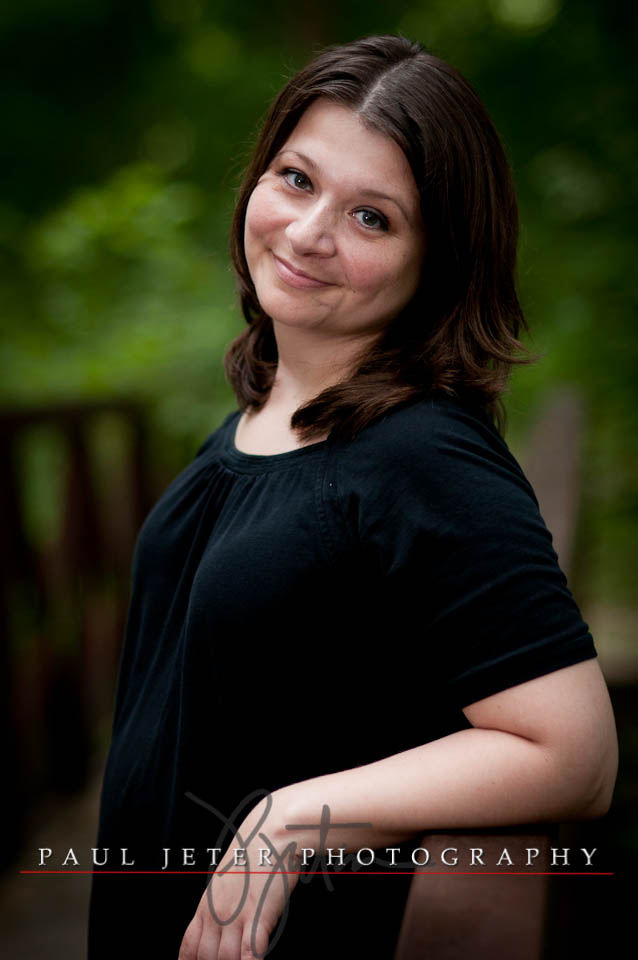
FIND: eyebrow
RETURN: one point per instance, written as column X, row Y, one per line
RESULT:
column 364, row 191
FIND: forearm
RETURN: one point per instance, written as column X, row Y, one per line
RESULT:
column 470, row 779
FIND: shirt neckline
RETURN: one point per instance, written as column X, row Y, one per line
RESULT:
column 257, row 462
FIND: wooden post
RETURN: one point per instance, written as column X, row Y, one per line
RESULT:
column 458, row 911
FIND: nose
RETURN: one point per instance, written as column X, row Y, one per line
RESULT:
column 311, row 231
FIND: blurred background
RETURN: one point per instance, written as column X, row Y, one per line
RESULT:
column 126, row 127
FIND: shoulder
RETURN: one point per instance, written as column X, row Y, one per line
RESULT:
column 437, row 445
column 424, row 425
column 443, row 514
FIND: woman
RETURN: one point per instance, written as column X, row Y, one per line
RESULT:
column 348, row 625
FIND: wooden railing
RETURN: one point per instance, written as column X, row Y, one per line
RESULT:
column 63, row 600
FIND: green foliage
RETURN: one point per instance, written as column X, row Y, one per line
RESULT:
column 129, row 134
column 128, row 301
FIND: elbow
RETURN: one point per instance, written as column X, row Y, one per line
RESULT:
column 602, row 792
column 594, row 795
column 589, row 761
column 593, row 809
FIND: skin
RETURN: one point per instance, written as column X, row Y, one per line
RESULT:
column 542, row 751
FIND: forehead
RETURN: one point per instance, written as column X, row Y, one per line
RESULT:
column 342, row 146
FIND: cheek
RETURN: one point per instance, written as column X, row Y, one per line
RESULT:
column 376, row 272
column 263, row 214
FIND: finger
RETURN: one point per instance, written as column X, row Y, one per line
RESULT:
column 190, row 940
column 254, row 942
column 229, row 945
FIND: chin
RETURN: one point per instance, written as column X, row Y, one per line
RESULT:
column 290, row 310
column 295, row 318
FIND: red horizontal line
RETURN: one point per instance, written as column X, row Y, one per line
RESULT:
column 329, row 873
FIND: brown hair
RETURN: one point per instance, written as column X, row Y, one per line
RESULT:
column 459, row 334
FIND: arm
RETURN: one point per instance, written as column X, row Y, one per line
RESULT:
column 543, row 750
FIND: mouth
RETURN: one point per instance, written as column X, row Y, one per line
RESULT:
column 295, row 277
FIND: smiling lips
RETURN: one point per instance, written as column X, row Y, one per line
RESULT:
column 296, row 278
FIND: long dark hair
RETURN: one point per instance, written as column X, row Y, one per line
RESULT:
column 459, row 334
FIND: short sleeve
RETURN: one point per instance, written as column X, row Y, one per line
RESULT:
column 452, row 528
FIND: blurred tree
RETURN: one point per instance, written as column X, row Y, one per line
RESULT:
column 126, row 130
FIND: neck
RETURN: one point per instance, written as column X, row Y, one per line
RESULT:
column 308, row 363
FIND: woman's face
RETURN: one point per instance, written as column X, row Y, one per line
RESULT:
column 334, row 238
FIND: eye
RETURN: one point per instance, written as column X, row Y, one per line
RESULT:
column 371, row 219
column 296, row 179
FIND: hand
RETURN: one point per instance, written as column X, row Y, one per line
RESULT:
column 240, row 909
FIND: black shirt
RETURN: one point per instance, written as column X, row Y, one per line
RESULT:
column 307, row 612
